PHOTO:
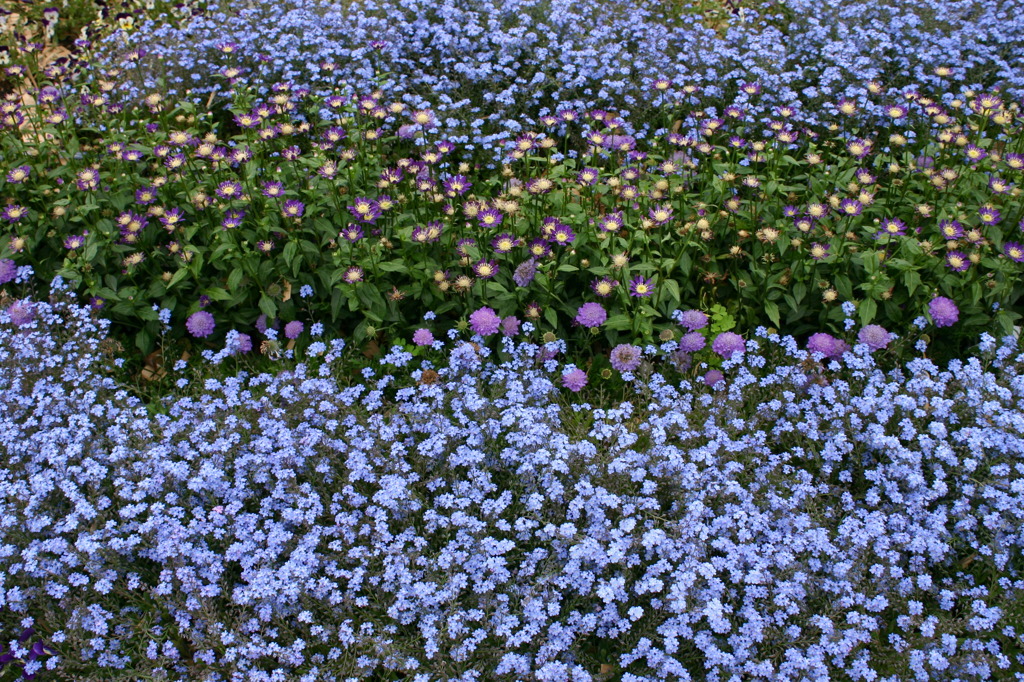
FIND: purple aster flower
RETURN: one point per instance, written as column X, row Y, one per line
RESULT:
column 641, row 287
column 524, row 273
column 19, row 174
column 457, row 185
column 293, row 329
column 232, row 219
column 422, row 337
column 588, row 176
column 503, row 243
column 273, row 189
column 144, row 196
column 574, row 380
column 200, row 324
column 13, row 213
column 486, row 269
column 490, row 217
column 484, row 321
column 510, row 326
column 352, row 233
column 75, row 241
column 591, row 315
column 850, row 207
column 957, row 261
column 713, row 376
column 951, row 229
column 943, row 311
column 293, row 208
column 229, row 189
column 353, row 275
column 819, row 251
column 692, row 319
column 8, row 270
column 692, row 342
column 562, row 234
column 604, row 287
column 988, row 215
column 727, row 344
column 874, row 337
column 1014, row 251
column 625, row 357
column 539, row 248
column 365, row 210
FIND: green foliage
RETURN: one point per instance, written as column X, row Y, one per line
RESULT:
column 182, row 215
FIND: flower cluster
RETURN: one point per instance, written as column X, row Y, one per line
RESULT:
column 793, row 519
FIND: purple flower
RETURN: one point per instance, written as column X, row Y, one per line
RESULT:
column 422, row 337
column 484, row 321
column 19, row 174
column 293, row 208
column 510, row 326
column 229, row 189
column 957, row 261
column 14, row 213
column 625, row 357
column 943, row 311
column 486, row 269
column 641, row 287
column 988, row 215
column 591, row 315
column 293, row 329
column 826, row 344
column 243, row 344
column 713, row 377
column 727, row 344
column 21, row 312
column 524, row 273
column 232, row 219
column 8, row 270
column 75, row 241
column 574, row 380
column 693, row 319
column 1014, row 251
column 850, row 207
column 874, row 337
column 692, row 342
column 200, row 324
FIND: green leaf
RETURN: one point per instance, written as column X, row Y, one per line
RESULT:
column 911, row 280
column 866, row 311
column 618, row 322
column 772, row 310
column 289, row 253
column 267, row 306
column 217, row 294
column 685, row 263
column 844, row 287
column 672, row 287
column 234, row 279
column 551, row 315
column 393, row 266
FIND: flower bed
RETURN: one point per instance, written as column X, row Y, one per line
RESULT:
column 802, row 518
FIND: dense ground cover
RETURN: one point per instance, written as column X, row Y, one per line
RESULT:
column 452, row 518
column 509, row 350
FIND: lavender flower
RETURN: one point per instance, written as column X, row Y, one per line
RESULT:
column 625, row 357
column 591, row 315
column 727, row 344
column 943, row 311
column 200, row 324
column 574, row 380
column 874, row 337
column 484, row 321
